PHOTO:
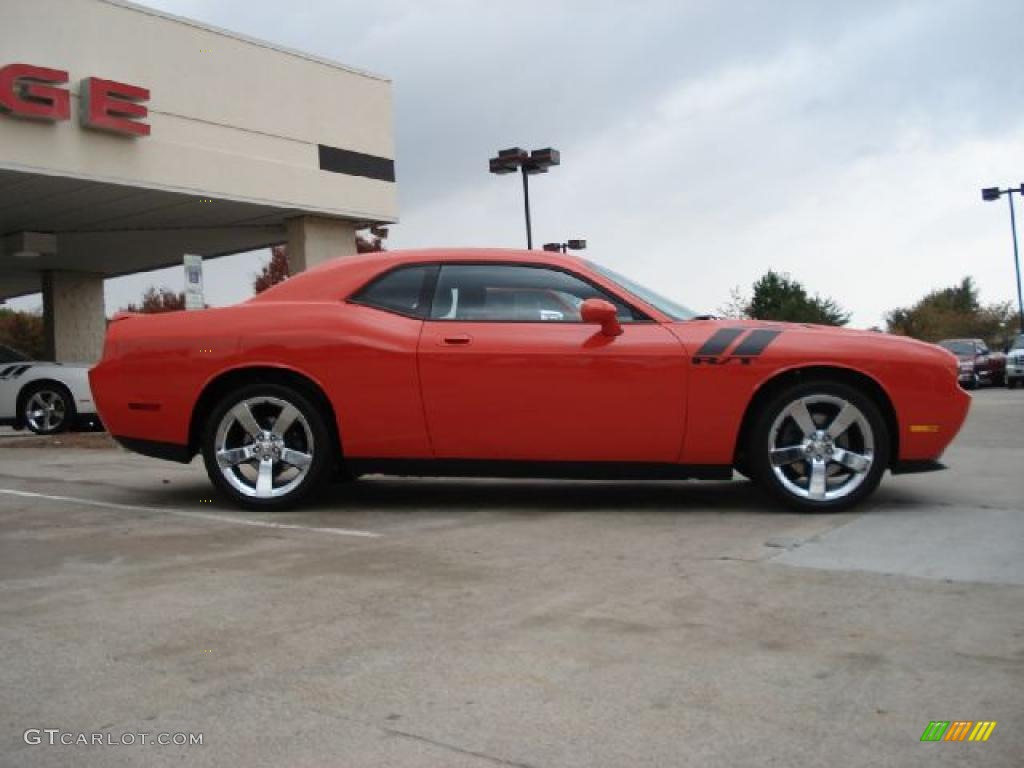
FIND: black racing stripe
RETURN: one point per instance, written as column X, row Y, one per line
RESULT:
column 719, row 341
column 356, row 163
column 755, row 343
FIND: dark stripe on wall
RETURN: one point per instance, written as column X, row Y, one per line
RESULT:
column 356, row 163
column 720, row 341
column 755, row 343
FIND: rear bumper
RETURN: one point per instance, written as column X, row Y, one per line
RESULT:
column 156, row 449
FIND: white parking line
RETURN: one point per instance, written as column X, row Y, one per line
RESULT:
column 188, row 513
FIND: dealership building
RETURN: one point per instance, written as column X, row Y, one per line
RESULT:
column 130, row 138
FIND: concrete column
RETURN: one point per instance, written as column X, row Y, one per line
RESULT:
column 74, row 316
column 313, row 240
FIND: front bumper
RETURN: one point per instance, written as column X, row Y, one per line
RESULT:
column 914, row 466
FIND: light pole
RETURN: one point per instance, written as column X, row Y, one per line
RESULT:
column 529, row 163
column 994, row 193
column 570, row 245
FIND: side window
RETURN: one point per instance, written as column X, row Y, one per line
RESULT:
column 399, row 291
column 506, row 293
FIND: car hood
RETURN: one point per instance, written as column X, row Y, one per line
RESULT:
column 832, row 332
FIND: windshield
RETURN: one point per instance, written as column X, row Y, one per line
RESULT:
column 9, row 355
column 1018, row 343
column 667, row 306
column 958, row 347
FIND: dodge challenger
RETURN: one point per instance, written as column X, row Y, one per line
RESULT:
column 503, row 363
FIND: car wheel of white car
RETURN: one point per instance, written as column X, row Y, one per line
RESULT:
column 267, row 446
column 821, row 446
column 47, row 408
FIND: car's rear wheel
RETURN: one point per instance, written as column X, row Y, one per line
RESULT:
column 267, row 446
column 47, row 408
column 820, row 446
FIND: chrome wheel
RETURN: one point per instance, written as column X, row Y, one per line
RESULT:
column 45, row 411
column 264, row 447
column 821, row 447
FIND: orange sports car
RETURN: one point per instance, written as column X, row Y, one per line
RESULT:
column 504, row 363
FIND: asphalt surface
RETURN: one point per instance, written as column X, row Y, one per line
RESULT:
column 487, row 623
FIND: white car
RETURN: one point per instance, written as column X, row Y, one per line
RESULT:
column 44, row 397
column 1015, row 363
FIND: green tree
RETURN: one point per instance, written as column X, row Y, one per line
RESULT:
column 779, row 297
column 736, row 307
column 955, row 312
column 155, row 301
column 23, row 331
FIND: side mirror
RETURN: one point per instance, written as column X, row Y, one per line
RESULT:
column 603, row 313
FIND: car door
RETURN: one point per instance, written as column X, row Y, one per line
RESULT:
column 509, row 372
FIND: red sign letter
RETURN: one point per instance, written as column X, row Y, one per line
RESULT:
column 27, row 91
column 110, row 106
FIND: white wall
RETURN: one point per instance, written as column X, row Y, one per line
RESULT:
column 230, row 118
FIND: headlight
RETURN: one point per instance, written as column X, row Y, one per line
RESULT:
column 966, row 366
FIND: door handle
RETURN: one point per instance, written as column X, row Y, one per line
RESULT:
column 458, row 339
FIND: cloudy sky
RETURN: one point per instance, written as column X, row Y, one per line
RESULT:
column 702, row 142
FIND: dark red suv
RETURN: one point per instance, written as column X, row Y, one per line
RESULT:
column 977, row 364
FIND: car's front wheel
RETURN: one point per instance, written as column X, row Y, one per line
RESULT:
column 820, row 446
column 47, row 408
column 267, row 446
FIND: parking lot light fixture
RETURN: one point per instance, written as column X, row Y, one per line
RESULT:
column 568, row 245
column 990, row 194
column 528, row 164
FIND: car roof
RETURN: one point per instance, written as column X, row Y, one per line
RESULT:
column 346, row 273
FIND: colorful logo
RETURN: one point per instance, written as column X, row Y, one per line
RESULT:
column 958, row 730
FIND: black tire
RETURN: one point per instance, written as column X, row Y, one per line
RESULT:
column 317, row 443
column 1011, row 383
column 851, row 441
column 53, row 393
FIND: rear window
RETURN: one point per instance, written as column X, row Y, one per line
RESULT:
column 400, row 291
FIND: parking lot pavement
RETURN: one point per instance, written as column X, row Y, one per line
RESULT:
column 497, row 623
